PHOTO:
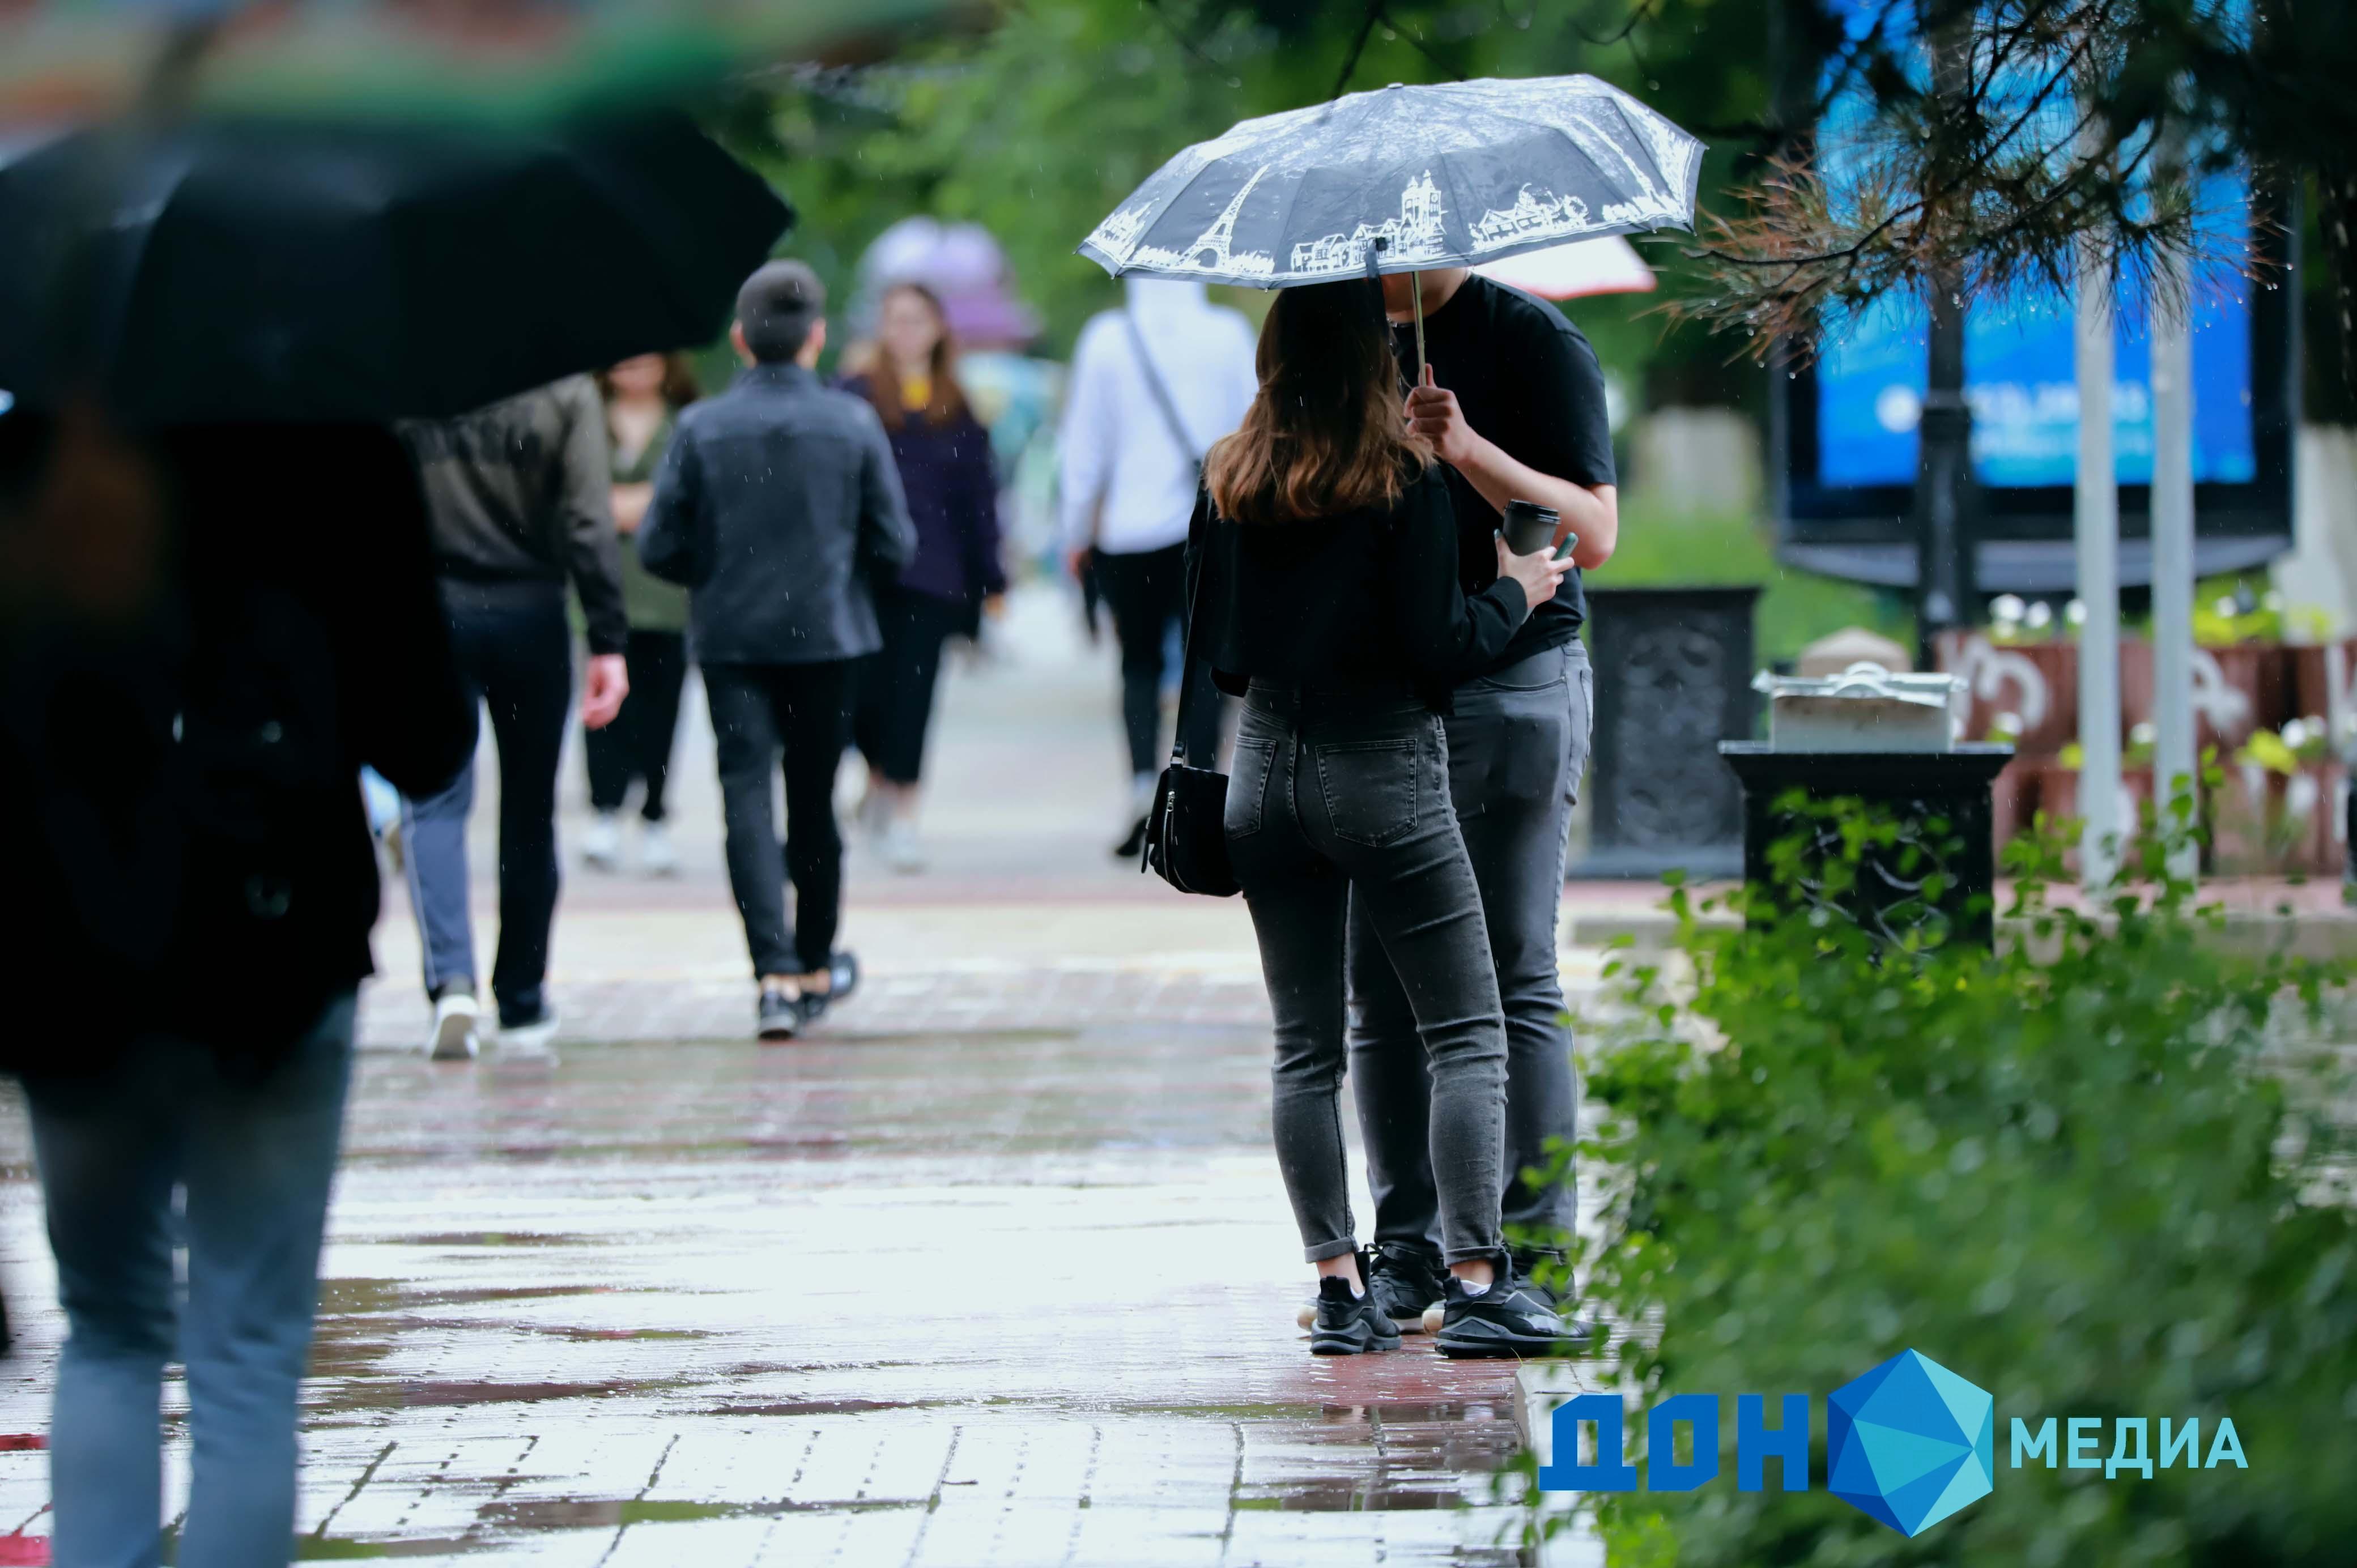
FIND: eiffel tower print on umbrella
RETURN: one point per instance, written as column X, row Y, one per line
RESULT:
column 1405, row 179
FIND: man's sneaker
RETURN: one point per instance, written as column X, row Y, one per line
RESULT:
column 601, row 840
column 657, row 857
column 454, row 1037
column 1404, row 1284
column 1509, row 1319
column 900, row 846
column 1348, row 1325
column 779, row 1014
column 1564, row 1298
column 531, row 1036
column 843, row 976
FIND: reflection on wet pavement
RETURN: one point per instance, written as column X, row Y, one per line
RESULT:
column 953, row 1300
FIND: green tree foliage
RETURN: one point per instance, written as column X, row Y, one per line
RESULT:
column 2091, row 1172
column 1040, row 122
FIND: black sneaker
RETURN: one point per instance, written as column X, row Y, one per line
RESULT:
column 1403, row 1283
column 842, row 974
column 1509, row 1319
column 1563, row 1299
column 1348, row 1325
column 778, row 1016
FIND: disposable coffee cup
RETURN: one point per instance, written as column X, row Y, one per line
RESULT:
column 1529, row 527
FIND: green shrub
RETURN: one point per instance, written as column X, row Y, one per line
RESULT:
column 2092, row 1172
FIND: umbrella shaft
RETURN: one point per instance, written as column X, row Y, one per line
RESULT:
column 1415, row 293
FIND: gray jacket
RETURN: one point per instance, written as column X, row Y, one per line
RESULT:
column 519, row 492
column 778, row 503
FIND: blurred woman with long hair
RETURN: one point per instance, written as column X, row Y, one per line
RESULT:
column 943, row 455
column 643, row 397
column 1331, row 604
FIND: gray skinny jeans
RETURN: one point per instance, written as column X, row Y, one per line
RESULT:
column 1334, row 803
column 1517, row 745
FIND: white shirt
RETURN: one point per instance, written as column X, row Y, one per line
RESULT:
column 1116, row 445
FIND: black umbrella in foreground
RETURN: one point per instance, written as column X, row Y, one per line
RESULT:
column 275, row 271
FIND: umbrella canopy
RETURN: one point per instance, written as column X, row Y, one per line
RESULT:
column 1609, row 265
column 283, row 272
column 1453, row 174
column 502, row 59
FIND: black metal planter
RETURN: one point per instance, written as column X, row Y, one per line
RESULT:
column 1951, row 786
column 1673, row 678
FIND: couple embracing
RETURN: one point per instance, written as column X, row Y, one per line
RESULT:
column 1414, row 724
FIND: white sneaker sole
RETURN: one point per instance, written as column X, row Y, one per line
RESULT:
column 531, row 1040
column 456, row 1038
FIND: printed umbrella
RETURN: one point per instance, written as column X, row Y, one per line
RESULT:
column 1405, row 179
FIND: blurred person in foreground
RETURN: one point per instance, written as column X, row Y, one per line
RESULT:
column 779, row 506
column 643, row 397
column 943, row 456
column 197, row 657
column 1512, row 404
column 1330, row 602
column 1152, row 386
column 517, row 495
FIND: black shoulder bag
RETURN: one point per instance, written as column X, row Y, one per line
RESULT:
column 1186, row 831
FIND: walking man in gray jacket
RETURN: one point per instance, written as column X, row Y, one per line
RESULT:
column 776, row 505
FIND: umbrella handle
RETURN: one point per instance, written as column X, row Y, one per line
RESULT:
column 1415, row 293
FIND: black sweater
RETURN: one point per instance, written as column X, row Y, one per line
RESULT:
column 1365, row 601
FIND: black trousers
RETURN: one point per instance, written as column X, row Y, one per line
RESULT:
column 894, row 703
column 759, row 714
column 516, row 654
column 637, row 744
column 1148, row 595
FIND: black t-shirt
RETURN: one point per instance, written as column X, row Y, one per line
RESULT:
column 1527, row 379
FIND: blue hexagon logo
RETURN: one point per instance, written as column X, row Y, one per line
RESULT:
column 1910, row 1443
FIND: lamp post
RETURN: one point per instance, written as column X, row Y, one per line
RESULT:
column 2095, row 528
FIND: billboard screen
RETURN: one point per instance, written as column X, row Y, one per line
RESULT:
column 2019, row 379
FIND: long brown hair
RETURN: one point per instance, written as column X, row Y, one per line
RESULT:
column 680, row 386
column 1326, row 433
column 945, row 400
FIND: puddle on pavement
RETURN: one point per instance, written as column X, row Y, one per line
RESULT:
column 494, row 1238
column 351, row 1295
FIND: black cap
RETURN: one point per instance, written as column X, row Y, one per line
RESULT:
column 777, row 308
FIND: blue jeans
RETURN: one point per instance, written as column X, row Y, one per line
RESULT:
column 253, row 1158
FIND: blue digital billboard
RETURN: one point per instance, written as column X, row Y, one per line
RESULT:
column 2021, row 382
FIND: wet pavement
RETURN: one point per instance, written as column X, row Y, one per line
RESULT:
column 994, row 1269
column 960, row 1300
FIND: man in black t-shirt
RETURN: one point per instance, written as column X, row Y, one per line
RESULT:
column 1513, row 401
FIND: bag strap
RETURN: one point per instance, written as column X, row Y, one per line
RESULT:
column 1197, row 538
column 1199, row 548
column 1161, row 391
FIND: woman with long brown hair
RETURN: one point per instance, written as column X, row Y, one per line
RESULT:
column 643, row 397
column 1332, row 607
column 943, row 455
